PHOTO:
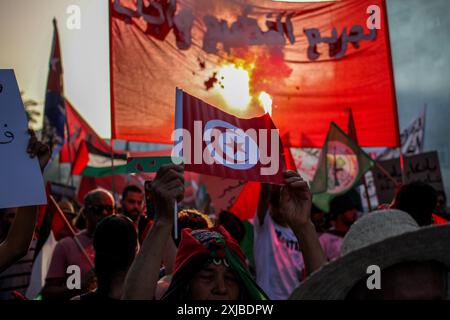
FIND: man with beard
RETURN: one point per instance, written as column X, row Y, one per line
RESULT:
column 132, row 204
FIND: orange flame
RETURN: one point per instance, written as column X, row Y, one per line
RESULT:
column 234, row 85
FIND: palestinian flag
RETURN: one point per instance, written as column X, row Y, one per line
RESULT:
column 92, row 162
column 342, row 163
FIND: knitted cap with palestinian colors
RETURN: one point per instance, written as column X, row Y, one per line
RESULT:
column 214, row 244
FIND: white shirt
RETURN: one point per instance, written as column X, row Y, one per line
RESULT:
column 331, row 245
column 278, row 260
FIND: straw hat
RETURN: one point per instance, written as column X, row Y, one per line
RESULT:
column 383, row 238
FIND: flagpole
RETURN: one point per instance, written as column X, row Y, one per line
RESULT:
column 69, row 147
column 351, row 131
column 424, row 122
column 56, row 46
column 178, row 124
column 402, row 166
column 111, row 94
column 112, row 169
column 366, row 190
column 72, row 231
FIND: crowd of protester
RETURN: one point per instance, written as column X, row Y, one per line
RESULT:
column 291, row 249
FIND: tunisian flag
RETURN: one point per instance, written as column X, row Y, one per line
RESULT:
column 314, row 60
column 216, row 143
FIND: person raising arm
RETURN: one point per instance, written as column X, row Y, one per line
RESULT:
column 286, row 246
column 142, row 278
column 16, row 244
column 295, row 203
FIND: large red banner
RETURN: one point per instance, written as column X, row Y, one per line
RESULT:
column 306, row 63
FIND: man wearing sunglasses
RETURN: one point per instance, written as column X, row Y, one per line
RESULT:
column 78, row 250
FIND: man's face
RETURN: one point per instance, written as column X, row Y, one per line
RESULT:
column 102, row 206
column 133, row 204
column 215, row 282
column 408, row 281
column 349, row 217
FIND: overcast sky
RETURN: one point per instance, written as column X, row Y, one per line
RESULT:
column 419, row 36
column 420, row 40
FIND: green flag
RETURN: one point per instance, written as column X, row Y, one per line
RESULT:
column 148, row 164
column 342, row 163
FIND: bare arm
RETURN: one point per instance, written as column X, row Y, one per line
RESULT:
column 170, row 253
column 296, row 208
column 20, row 235
column 142, row 277
column 263, row 203
column 312, row 251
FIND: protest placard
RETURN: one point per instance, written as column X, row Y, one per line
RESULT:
column 421, row 167
column 22, row 183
